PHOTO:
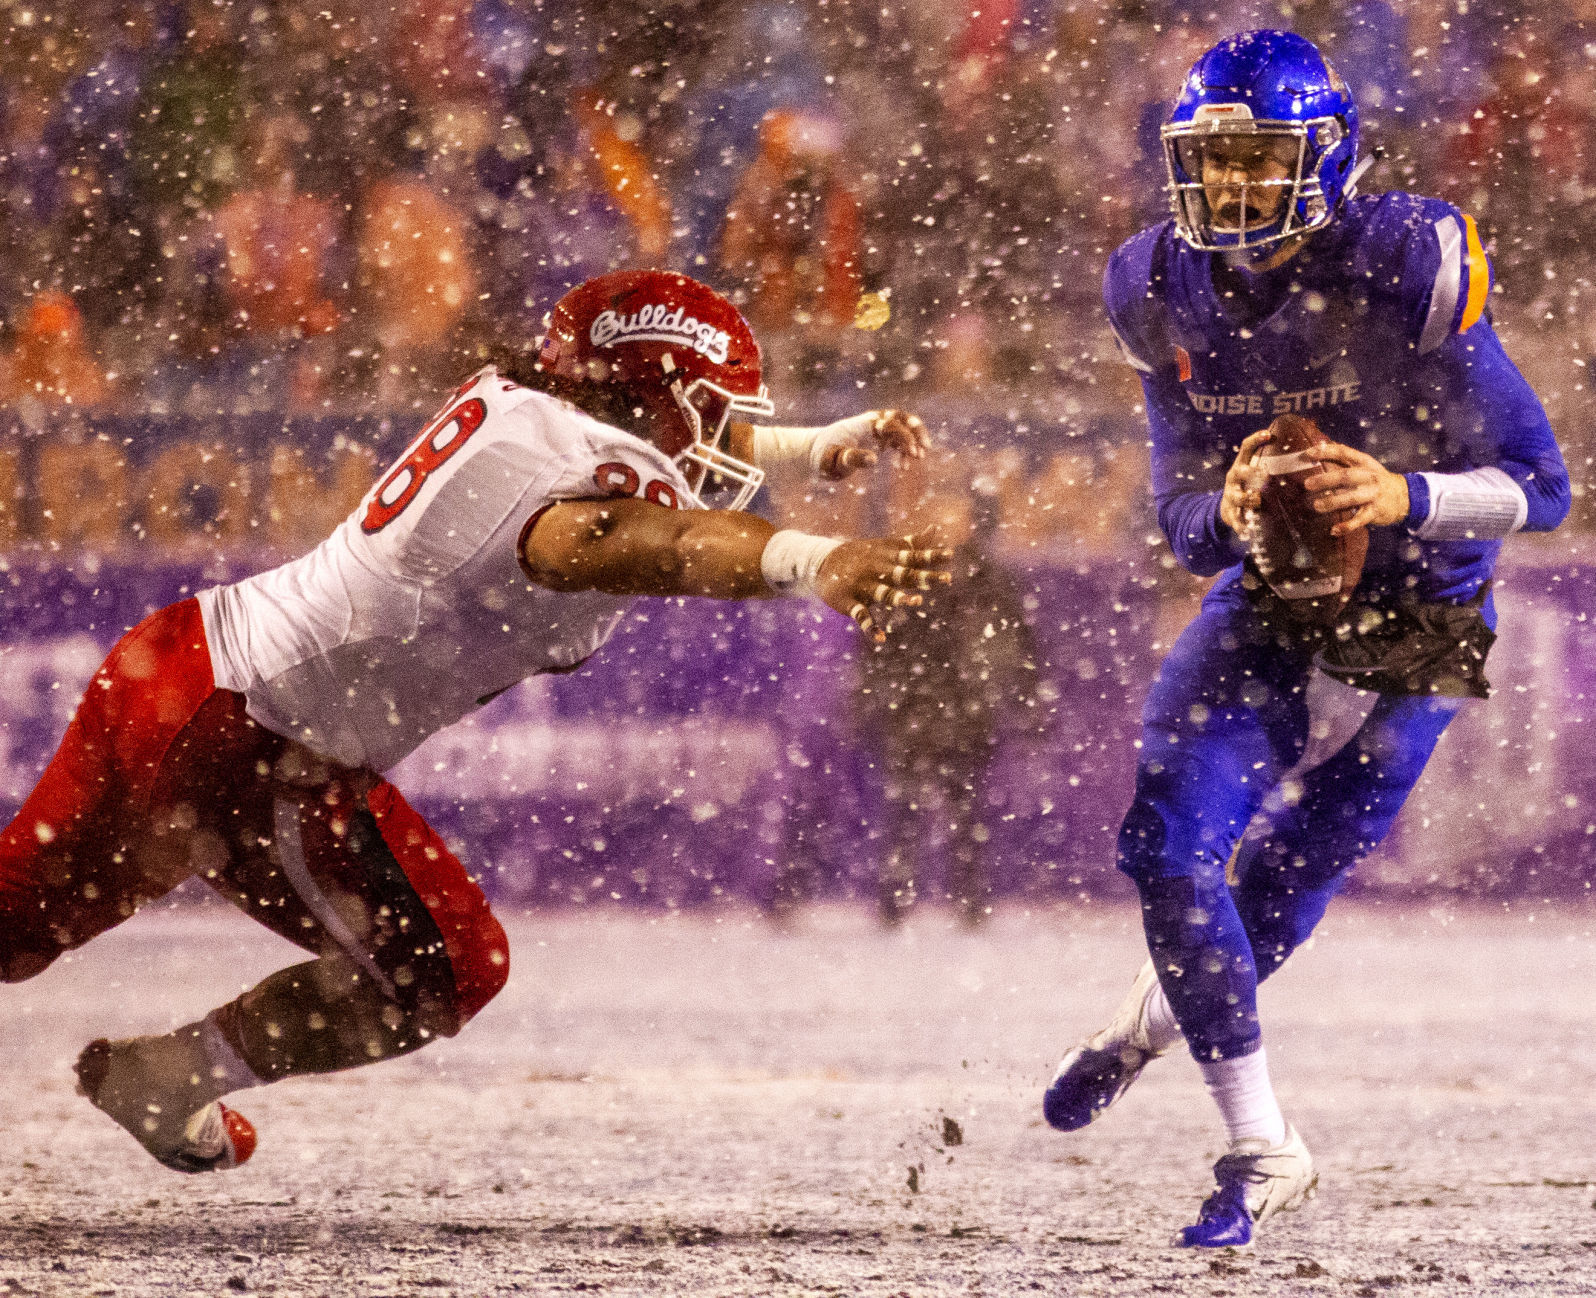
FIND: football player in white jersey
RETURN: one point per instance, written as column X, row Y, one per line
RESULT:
column 242, row 735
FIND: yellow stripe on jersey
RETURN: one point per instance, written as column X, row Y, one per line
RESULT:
column 1479, row 278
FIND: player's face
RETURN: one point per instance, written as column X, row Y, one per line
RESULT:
column 1246, row 179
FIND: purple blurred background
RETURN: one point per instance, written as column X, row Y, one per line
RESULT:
column 721, row 750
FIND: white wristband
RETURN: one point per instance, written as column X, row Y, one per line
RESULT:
column 1480, row 505
column 775, row 446
column 791, row 560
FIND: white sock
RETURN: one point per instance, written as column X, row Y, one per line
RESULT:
column 1159, row 1019
column 1246, row 1100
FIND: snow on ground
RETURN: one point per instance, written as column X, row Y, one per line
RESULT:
column 703, row 1105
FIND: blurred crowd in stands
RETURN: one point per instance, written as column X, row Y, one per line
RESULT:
column 220, row 219
column 301, row 206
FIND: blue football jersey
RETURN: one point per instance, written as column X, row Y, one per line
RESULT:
column 1378, row 329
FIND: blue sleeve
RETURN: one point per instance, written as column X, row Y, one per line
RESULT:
column 1493, row 419
column 1430, row 256
column 1424, row 258
column 1187, row 481
column 1188, row 470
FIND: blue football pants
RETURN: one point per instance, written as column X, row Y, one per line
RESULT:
column 1226, row 719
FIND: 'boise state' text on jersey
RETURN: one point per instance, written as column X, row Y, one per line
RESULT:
column 1377, row 330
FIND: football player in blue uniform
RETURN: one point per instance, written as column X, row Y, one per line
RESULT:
column 1276, row 289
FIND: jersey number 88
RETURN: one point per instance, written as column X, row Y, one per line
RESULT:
column 438, row 441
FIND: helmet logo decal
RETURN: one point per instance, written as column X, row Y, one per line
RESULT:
column 1222, row 112
column 676, row 363
column 658, row 323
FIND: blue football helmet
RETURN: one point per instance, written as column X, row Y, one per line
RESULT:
column 1266, row 110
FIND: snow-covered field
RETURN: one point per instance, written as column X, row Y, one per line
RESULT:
column 704, row 1105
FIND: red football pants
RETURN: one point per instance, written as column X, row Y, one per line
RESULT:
column 161, row 776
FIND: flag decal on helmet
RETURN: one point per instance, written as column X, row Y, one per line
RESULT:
column 656, row 323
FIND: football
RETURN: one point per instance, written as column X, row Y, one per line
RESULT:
column 1292, row 547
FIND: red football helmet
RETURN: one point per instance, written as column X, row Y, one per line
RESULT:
column 679, row 351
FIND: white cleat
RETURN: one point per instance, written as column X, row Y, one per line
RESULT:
column 1255, row 1182
column 1100, row 1070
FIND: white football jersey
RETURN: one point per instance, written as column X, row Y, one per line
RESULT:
column 416, row 609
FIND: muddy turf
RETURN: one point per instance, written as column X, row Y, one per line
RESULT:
column 705, row 1105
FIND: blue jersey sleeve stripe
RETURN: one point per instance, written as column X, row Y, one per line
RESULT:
column 1448, row 286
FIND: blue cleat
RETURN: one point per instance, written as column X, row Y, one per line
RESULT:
column 1222, row 1222
column 1100, row 1070
column 1255, row 1182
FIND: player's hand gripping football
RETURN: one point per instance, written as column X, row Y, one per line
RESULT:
column 863, row 578
column 856, row 443
column 1351, row 479
column 1243, row 483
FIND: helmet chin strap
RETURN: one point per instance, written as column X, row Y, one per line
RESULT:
column 695, row 421
column 1351, row 187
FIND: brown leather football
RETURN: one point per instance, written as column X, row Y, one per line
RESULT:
column 1291, row 545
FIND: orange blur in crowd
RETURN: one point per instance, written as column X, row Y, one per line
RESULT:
column 627, row 176
column 414, row 263
column 800, row 263
column 51, row 361
column 277, row 239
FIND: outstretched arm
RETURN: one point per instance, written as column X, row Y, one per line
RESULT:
column 625, row 546
column 832, row 450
